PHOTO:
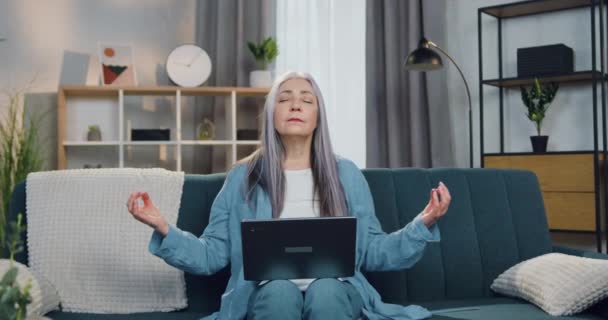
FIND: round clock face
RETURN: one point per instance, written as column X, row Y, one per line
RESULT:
column 188, row 66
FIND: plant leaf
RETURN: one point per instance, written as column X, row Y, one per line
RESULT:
column 9, row 277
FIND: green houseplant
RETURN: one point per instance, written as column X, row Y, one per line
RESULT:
column 94, row 133
column 20, row 152
column 264, row 53
column 13, row 298
column 537, row 100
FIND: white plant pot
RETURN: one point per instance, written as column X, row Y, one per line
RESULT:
column 260, row 78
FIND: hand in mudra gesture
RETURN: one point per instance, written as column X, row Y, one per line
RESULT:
column 437, row 206
column 148, row 213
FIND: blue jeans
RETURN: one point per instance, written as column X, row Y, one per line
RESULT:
column 324, row 299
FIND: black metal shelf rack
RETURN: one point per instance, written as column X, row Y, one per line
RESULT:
column 594, row 76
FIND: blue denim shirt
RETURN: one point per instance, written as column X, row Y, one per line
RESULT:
column 220, row 245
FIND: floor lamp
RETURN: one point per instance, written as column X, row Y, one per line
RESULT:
column 424, row 58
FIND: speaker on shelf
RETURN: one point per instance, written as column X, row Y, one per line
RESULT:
column 247, row 134
column 546, row 60
column 150, row 134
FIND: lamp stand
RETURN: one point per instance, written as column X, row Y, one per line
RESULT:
column 434, row 45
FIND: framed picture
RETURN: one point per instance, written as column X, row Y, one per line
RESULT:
column 117, row 67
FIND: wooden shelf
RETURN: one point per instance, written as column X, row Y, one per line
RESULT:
column 150, row 143
column 526, row 8
column 229, row 95
column 113, row 91
column 567, row 178
column 579, row 76
column 248, row 142
column 219, row 142
column 89, row 143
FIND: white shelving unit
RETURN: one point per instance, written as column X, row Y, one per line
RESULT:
column 119, row 138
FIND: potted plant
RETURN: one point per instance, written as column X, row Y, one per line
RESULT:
column 264, row 53
column 15, row 299
column 20, row 151
column 537, row 100
column 94, row 133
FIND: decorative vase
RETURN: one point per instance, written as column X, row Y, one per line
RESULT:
column 205, row 130
column 94, row 135
column 260, row 78
column 539, row 143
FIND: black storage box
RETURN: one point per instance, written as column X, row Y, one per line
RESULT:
column 150, row 134
column 247, row 134
column 546, row 60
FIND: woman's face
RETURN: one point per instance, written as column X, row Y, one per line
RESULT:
column 296, row 109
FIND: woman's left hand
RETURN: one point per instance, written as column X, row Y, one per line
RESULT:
column 437, row 206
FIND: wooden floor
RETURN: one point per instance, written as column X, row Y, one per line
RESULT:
column 584, row 241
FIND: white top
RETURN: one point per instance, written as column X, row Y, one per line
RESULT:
column 299, row 187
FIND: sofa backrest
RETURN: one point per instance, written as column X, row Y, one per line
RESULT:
column 496, row 219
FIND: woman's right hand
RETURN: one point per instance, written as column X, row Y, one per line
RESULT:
column 148, row 213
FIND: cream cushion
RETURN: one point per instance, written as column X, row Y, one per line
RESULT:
column 559, row 284
column 44, row 295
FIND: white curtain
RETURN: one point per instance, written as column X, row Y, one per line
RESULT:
column 326, row 38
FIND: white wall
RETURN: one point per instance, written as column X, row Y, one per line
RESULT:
column 569, row 119
column 52, row 40
column 40, row 32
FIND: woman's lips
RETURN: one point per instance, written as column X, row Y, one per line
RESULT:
column 295, row 120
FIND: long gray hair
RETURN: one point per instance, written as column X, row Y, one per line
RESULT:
column 265, row 165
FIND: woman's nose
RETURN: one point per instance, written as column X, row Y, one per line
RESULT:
column 296, row 107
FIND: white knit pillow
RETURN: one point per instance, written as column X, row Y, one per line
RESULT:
column 559, row 284
column 44, row 295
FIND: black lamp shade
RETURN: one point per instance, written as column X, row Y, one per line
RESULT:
column 423, row 58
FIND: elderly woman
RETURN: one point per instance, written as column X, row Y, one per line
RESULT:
column 295, row 173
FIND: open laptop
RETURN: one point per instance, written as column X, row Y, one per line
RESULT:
column 299, row 248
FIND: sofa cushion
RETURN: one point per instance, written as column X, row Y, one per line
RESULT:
column 134, row 316
column 43, row 294
column 559, row 284
column 519, row 311
column 496, row 308
column 463, row 303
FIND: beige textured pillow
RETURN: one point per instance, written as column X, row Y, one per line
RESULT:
column 44, row 295
column 559, row 284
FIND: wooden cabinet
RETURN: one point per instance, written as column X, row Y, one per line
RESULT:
column 566, row 181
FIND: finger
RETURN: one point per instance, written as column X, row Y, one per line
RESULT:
column 130, row 202
column 136, row 206
column 435, row 198
column 139, row 195
column 442, row 191
column 448, row 198
column 146, row 198
column 444, row 200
